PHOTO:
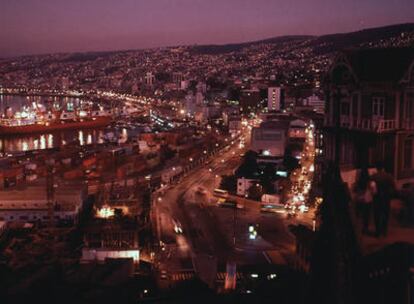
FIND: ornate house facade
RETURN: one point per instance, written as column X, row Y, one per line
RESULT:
column 369, row 111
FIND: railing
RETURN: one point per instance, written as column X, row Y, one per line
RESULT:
column 386, row 124
column 408, row 124
column 363, row 124
column 374, row 125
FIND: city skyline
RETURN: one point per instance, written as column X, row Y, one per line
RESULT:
column 38, row 27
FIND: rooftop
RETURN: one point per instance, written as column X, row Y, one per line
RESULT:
column 380, row 65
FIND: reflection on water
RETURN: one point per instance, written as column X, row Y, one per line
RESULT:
column 47, row 141
column 61, row 138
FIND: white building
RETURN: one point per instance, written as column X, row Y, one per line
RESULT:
column 184, row 84
column 31, row 205
column 244, row 184
column 270, row 138
column 101, row 254
column 317, row 104
column 149, row 79
column 273, row 98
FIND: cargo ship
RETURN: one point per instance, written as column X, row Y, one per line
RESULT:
column 30, row 121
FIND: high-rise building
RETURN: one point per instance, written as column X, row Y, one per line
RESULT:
column 177, row 78
column 199, row 98
column 149, row 79
column 273, row 98
column 250, row 101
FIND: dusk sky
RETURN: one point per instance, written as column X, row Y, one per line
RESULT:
column 45, row 26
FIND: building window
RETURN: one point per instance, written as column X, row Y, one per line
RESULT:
column 408, row 154
column 345, row 108
column 378, row 105
column 355, row 105
column 409, row 111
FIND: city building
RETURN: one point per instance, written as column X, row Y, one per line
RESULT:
column 177, row 78
column 249, row 101
column 244, row 184
column 270, row 138
column 297, row 129
column 111, row 239
column 235, row 124
column 149, row 79
column 273, row 98
column 370, row 110
column 315, row 103
column 31, row 204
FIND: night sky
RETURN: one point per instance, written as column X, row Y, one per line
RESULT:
column 44, row 26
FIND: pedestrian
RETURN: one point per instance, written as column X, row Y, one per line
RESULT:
column 363, row 193
column 382, row 199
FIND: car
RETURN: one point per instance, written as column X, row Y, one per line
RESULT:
column 178, row 229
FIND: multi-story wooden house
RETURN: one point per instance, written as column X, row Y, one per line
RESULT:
column 369, row 114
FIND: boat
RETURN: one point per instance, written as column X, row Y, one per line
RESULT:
column 29, row 121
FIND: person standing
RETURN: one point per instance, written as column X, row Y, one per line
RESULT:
column 364, row 191
column 382, row 199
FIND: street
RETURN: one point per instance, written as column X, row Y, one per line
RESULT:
column 213, row 235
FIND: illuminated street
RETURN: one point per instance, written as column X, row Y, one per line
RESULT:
column 207, row 240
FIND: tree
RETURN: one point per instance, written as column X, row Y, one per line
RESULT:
column 284, row 186
column 249, row 166
column 289, row 161
column 255, row 192
column 267, row 179
column 234, row 94
column 166, row 152
column 229, row 183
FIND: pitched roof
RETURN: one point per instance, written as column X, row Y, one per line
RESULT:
column 380, row 65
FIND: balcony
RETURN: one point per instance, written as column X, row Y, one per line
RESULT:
column 369, row 125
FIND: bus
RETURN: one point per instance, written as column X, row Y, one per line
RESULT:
column 220, row 193
column 272, row 208
column 222, row 202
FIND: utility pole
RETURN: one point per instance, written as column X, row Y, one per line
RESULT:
column 234, row 226
column 50, row 191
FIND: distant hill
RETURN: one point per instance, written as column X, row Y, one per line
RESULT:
column 335, row 42
column 320, row 44
column 234, row 47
